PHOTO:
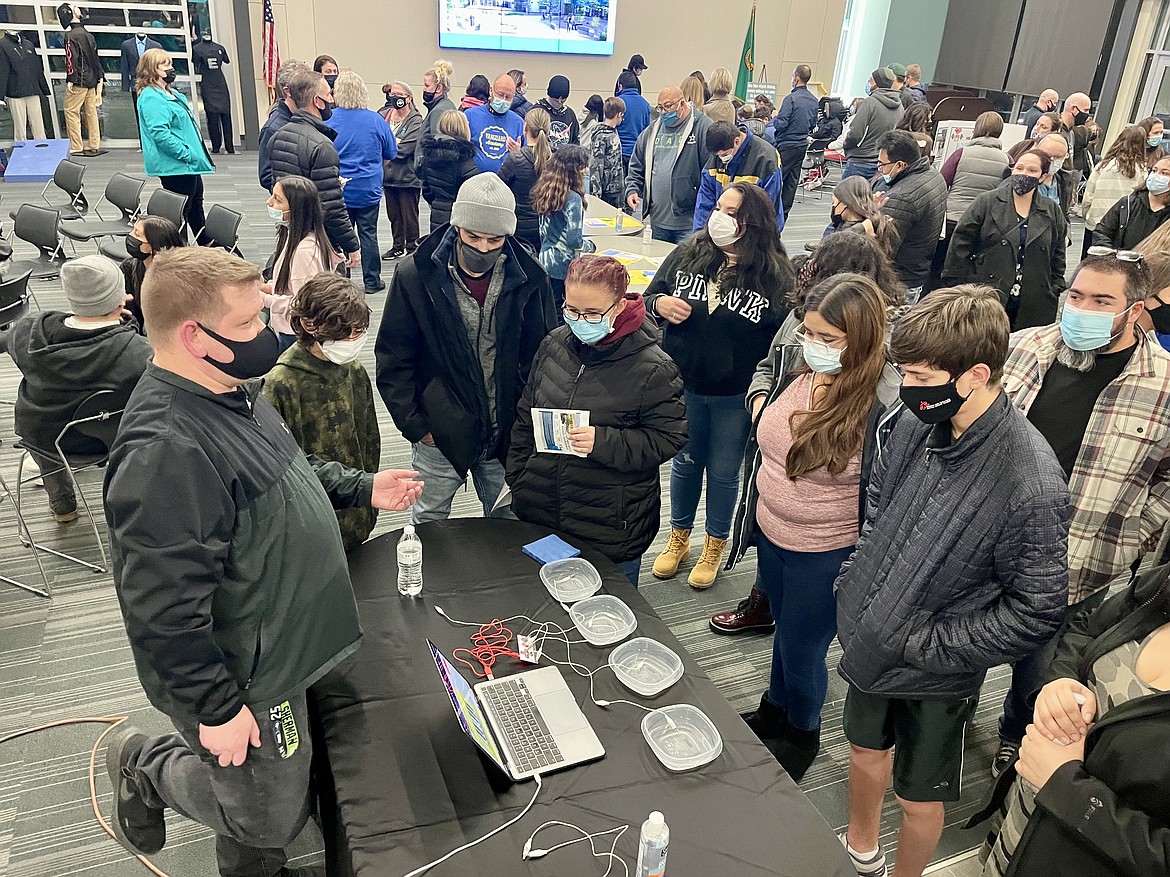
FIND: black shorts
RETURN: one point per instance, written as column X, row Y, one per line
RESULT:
column 927, row 737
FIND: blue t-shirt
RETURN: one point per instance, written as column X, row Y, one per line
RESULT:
column 364, row 141
column 489, row 136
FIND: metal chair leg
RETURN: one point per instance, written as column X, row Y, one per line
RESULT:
column 92, row 522
column 46, row 548
column 25, row 533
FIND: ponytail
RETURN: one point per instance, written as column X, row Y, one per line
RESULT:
column 538, row 123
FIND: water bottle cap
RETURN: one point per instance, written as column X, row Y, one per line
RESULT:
column 656, row 823
column 408, row 530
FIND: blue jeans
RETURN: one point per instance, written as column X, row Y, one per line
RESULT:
column 670, row 235
column 858, row 169
column 441, row 482
column 365, row 222
column 630, row 569
column 799, row 587
column 718, row 428
column 1026, row 675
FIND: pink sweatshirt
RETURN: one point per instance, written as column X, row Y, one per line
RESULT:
column 306, row 263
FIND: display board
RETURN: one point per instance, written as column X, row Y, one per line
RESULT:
column 569, row 27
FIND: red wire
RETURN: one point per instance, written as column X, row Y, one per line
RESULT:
column 488, row 643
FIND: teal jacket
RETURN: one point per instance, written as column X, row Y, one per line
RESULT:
column 171, row 142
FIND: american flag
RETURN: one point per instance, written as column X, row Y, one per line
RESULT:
column 271, row 49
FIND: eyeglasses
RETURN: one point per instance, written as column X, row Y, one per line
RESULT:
column 1119, row 255
column 574, row 314
column 882, row 164
column 669, row 106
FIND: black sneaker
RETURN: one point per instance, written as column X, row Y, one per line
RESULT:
column 140, row 828
column 395, row 253
column 1006, row 755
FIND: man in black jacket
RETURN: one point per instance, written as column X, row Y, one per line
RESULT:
column 229, row 569
column 304, row 147
column 463, row 320
column 915, row 198
column 961, row 566
column 84, row 79
column 278, row 117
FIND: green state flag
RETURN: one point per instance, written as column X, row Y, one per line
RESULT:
column 747, row 60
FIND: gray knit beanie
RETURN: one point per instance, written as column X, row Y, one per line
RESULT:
column 485, row 205
column 93, row 284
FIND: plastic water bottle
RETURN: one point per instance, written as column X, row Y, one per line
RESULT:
column 409, row 563
column 652, row 846
column 647, row 236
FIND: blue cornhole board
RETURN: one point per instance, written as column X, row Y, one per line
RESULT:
column 35, row 161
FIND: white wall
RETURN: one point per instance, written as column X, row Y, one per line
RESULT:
column 384, row 40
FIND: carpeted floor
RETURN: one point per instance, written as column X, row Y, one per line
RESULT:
column 69, row 658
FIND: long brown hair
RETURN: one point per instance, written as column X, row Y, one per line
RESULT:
column 306, row 218
column 1128, row 151
column 831, row 435
column 564, row 173
column 538, row 123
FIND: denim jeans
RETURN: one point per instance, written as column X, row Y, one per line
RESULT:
column 441, row 482
column 670, row 235
column 365, row 221
column 630, row 569
column 799, row 587
column 718, row 428
column 1026, row 675
column 858, row 169
column 256, row 809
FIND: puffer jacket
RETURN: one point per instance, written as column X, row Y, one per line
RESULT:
column 445, row 164
column 304, row 147
column 775, row 372
column 962, row 564
column 633, row 393
column 519, row 172
column 830, row 122
column 917, row 202
column 877, row 114
column 978, row 169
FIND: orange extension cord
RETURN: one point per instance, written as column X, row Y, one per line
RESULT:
column 113, row 722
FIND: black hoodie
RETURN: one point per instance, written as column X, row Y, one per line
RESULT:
column 62, row 366
column 565, row 127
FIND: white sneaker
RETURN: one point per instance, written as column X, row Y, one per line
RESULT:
column 871, row 865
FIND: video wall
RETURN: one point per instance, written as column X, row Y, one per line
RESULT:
column 570, row 27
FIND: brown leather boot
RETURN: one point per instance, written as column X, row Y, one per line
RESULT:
column 678, row 549
column 751, row 616
column 707, row 567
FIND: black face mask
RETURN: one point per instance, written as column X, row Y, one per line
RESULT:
column 1160, row 317
column 395, row 101
column 1080, row 118
column 836, row 219
column 134, row 248
column 252, row 358
column 430, row 98
column 326, row 111
column 933, row 404
column 170, row 76
column 476, row 262
column 331, row 78
column 1022, row 184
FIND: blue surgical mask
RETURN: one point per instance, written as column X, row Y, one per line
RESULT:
column 500, row 106
column 820, row 357
column 1088, row 330
column 588, row 333
column 1155, row 141
column 887, row 178
column 868, row 89
column 277, row 215
column 670, row 120
column 1157, row 184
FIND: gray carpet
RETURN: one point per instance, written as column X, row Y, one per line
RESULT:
column 69, row 658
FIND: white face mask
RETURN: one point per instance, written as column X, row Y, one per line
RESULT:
column 344, row 352
column 724, row 230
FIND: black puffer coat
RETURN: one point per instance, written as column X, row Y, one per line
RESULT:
column 917, row 202
column 633, row 392
column 446, row 163
column 519, row 172
column 304, row 147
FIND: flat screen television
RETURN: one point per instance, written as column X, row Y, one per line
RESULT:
column 568, row 27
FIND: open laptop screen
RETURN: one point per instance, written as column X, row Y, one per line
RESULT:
column 466, row 706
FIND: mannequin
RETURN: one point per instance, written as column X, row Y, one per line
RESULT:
column 84, row 79
column 209, row 57
column 132, row 50
column 22, row 82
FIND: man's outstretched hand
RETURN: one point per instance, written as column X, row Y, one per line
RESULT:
column 395, row 490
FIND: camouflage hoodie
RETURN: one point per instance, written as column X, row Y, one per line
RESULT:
column 330, row 410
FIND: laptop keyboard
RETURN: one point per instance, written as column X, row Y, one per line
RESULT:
column 522, row 725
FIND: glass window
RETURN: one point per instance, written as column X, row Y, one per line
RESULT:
column 12, row 13
column 1140, row 92
column 1162, row 98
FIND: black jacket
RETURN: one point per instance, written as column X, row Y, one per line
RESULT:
column 1129, row 222
column 429, row 374
column 918, row 205
column 633, row 393
column 565, row 128
column 399, row 173
column 985, row 248
column 519, row 172
column 276, row 120
column 430, row 129
column 304, row 147
column 21, row 71
column 228, row 562
column 83, row 67
column 445, row 164
column 962, row 563
column 830, row 122
column 717, row 353
column 1110, row 814
column 61, row 366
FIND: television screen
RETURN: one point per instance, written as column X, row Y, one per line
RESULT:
column 576, row 27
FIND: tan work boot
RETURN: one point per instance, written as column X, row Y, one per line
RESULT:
column 707, row 567
column 678, row 549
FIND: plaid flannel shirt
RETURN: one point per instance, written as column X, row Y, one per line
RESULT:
column 1120, row 484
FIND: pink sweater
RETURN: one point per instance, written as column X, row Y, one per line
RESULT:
column 816, row 512
column 306, row 264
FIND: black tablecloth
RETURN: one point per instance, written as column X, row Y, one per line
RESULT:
column 410, row 786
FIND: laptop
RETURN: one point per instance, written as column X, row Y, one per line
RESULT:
column 527, row 723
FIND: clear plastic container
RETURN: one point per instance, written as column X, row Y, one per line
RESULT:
column 646, row 666
column 682, row 736
column 571, row 579
column 603, row 619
